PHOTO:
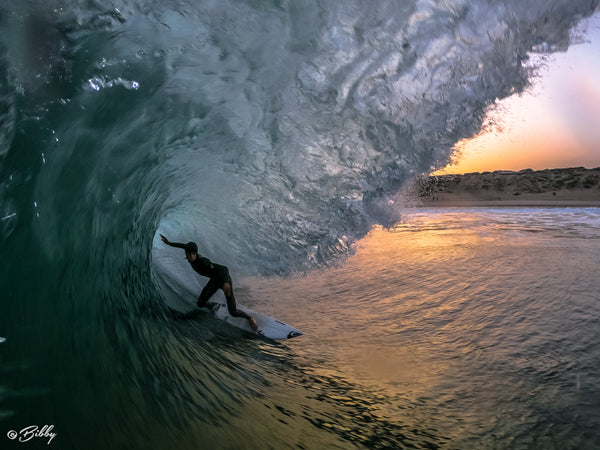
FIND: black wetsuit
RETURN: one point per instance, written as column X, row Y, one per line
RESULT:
column 218, row 275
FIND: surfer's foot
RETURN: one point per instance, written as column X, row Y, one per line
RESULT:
column 253, row 324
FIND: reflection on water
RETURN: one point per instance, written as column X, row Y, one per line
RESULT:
column 454, row 329
column 476, row 324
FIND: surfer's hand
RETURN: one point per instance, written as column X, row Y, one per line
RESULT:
column 164, row 239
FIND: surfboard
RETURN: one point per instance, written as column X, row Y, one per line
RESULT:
column 267, row 326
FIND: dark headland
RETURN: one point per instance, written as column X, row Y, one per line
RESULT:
column 575, row 186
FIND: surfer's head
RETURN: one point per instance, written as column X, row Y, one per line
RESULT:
column 191, row 251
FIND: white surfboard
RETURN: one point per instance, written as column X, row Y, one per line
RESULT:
column 267, row 326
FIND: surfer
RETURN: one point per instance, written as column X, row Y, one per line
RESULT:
column 219, row 278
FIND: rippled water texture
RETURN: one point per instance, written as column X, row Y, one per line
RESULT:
column 276, row 134
column 458, row 329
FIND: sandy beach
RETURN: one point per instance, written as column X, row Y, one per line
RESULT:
column 571, row 187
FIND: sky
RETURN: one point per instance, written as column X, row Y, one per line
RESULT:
column 554, row 124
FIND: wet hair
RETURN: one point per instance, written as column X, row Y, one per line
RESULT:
column 191, row 247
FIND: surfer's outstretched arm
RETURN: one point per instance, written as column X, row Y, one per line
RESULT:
column 172, row 244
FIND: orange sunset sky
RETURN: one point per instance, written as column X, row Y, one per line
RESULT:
column 555, row 124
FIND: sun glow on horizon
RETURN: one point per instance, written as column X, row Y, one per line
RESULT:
column 555, row 124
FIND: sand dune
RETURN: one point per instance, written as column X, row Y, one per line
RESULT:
column 552, row 187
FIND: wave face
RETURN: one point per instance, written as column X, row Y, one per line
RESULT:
column 272, row 132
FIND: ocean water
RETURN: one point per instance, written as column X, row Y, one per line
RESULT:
column 278, row 135
column 456, row 328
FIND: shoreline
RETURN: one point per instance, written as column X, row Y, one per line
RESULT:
column 509, row 204
column 562, row 188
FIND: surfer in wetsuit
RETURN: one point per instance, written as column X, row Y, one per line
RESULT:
column 218, row 279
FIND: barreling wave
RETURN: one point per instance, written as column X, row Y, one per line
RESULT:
column 273, row 133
